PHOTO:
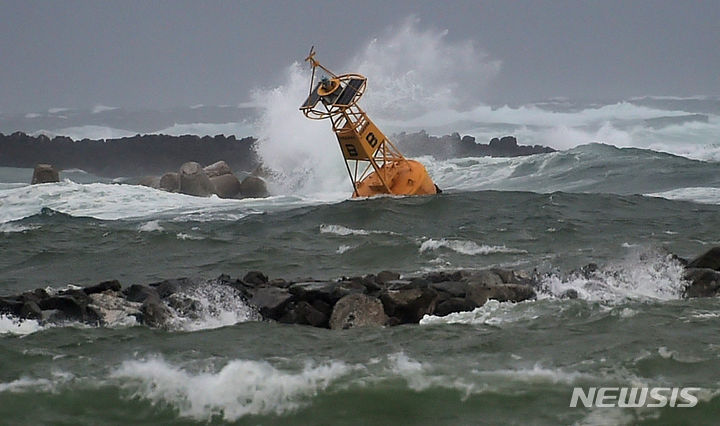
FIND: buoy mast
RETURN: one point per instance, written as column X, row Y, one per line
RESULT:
column 374, row 164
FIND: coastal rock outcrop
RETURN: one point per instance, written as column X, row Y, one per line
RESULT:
column 45, row 173
column 385, row 299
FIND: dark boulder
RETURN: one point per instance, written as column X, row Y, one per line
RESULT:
column 140, row 293
column 170, row 182
column 226, row 186
column 438, row 277
column 70, row 305
column 217, row 169
column 329, row 292
column 710, row 259
column 45, row 173
column 357, row 310
column 155, row 313
column 409, row 305
column 304, row 313
column 271, row 301
column 11, row 305
column 167, row 287
column 113, row 285
column 253, row 187
column 479, row 293
column 384, row 276
column 31, row 310
column 453, row 304
column 452, row 288
column 570, row 293
column 255, row 277
column 194, row 181
column 703, row 282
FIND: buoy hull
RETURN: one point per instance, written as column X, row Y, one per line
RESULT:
column 403, row 177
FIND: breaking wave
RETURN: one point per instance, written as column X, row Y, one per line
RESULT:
column 240, row 388
column 465, row 247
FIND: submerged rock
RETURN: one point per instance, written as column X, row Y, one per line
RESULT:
column 45, row 173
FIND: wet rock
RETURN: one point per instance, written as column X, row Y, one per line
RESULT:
column 194, row 181
column 217, row 169
column 11, row 305
column 710, row 259
column 453, row 304
column 479, row 293
column 255, row 277
column 34, row 296
column 409, row 305
column 226, row 186
column 437, row 277
column 704, row 282
column 357, row 310
column 371, row 285
column 270, row 301
column 329, row 292
column 150, row 182
column 484, row 278
column 569, row 294
column 155, row 313
column 253, row 187
column 305, row 314
column 167, row 287
column 113, row 309
column 70, row 305
column 453, row 288
column 170, row 182
column 31, row 310
column 385, row 276
column 398, row 284
column 113, row 285
column 45, row 173
column 139, row 293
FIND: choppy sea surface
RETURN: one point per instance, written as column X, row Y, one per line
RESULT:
column 624, row 209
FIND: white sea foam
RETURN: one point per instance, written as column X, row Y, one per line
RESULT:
column 9, row 228
column 183, row 236
column 12, row 325
column 214, row 306
column 465, row 247
column 345, row 231
column 343, row 248
column 704, row 195
column 239, row 389
column 28, row 384
column 641, row 275
column 151, row 226
column 491, row 313
column 113, row 202
column 87, row 132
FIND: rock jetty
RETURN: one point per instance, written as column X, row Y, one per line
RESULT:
column 382, row 299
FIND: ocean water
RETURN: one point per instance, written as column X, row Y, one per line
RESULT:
column 624, row 209
column 634, row 181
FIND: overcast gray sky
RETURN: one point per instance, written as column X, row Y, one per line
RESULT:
column 159, row 54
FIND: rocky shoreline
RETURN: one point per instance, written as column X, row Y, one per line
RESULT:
column 383, row 299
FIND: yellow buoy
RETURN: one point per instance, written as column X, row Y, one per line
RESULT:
column 374, row 164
